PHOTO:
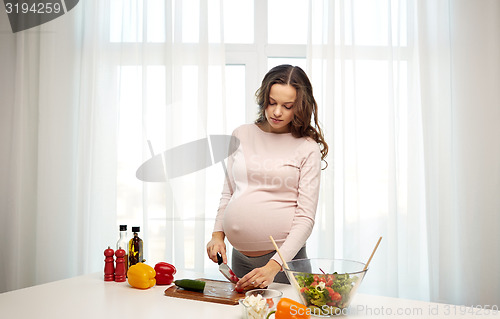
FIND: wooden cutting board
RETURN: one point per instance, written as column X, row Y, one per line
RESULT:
column 215, row 291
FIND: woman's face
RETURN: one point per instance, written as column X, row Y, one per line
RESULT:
column 280, row 110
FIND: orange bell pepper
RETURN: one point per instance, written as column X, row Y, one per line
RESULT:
column 141, row 276
column 290, row 309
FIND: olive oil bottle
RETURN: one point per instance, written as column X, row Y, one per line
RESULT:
column 135, row 250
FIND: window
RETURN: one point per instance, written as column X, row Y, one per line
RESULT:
column 256, row 36
column 287, row 21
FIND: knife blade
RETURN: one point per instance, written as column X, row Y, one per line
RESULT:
column 225, row 270
column 207, row 287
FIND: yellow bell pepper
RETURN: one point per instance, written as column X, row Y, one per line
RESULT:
column 141, row 276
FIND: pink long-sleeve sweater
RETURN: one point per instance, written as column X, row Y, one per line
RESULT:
column 274, row 191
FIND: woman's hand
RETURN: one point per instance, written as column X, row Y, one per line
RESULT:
column 217, row 245
column 259, row 277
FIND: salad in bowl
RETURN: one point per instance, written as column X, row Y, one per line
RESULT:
column 325, row 286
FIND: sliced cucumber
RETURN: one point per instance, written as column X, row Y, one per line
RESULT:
column 190, row 284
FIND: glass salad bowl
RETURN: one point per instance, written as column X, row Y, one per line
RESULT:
column 325, row 286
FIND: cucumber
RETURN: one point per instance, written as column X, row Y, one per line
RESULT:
column 190, row 284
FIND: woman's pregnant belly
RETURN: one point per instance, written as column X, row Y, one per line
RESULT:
column 249, row 220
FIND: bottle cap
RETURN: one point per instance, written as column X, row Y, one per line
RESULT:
column 136, row 229
column 123, row 227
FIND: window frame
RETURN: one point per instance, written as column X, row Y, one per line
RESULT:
column 253, row 56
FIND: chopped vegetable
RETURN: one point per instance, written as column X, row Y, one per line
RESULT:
column 234, row 278
column 256, row 306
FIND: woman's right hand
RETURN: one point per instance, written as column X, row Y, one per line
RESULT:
column 217, row 245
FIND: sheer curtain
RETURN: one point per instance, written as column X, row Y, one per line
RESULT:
column 57, row 199
column 408, row 102
column 164, row 65
column 83, row 96
column 365, row 73
column 459, row 77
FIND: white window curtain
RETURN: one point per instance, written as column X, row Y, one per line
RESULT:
column 408, row 102
column 460, row 107
column 166, row 63
column 365, row 73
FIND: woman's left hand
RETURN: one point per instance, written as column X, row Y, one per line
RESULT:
column 259, row 277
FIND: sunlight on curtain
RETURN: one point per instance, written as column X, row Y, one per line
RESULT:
column 172, row 91
column 459, row 101
column 361, row 66
column 286, row 21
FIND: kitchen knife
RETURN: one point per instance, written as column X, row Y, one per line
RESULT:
column 209, row 289
column 225, row 270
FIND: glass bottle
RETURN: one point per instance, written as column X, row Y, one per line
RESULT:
column 135, row 248
column 122, row 244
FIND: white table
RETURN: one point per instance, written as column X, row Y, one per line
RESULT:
column 89, row 296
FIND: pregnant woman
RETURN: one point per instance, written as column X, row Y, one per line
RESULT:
column 274, row 180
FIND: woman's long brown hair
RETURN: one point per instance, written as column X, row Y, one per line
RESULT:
column 305, row 104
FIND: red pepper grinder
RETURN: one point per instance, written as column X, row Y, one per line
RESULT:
column 109, row 266
column 120, row 270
